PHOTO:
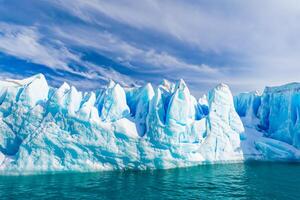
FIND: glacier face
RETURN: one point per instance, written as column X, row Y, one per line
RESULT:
column 60, row 129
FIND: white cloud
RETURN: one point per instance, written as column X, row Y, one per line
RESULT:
column 260, row 35
column 229, row 26
column 25, row 43
column 125, row 52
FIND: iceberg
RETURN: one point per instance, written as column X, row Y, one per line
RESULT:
column 47, row 129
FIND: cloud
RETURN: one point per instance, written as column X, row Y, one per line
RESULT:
column 260, row 36
column 26, row 43
column 232, row 26
column 245, row 44
column 128, row 53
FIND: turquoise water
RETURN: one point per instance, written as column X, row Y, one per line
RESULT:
column 228, row 181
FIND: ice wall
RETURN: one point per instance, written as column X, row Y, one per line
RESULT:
column 57, row 129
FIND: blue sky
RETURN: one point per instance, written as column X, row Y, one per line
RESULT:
column 246, row 44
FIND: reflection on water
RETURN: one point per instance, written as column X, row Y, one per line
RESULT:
column 229, row 181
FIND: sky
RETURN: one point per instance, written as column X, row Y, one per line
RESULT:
column 245, row 44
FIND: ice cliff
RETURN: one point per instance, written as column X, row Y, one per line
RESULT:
column 46, row 129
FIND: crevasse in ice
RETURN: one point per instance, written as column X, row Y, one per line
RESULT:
column 58, row 129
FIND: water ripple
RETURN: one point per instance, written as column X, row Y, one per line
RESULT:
column 230, row 181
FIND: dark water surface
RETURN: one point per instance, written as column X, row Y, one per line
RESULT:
column 228, row 181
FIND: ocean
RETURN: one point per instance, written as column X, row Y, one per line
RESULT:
column 253, row 180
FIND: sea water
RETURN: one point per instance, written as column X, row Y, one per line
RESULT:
column 255, row 180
